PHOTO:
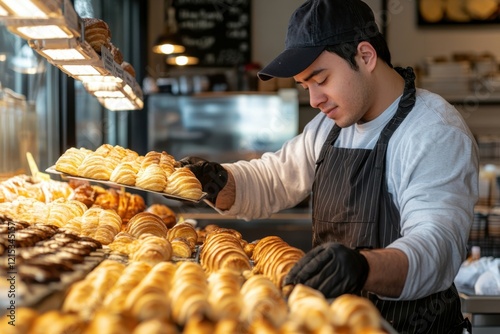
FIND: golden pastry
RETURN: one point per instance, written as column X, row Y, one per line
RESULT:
column 152, row 250
column 354, row 312
column 125, row 173
column 146, row 222
column 70, row 160
column 165, row 213
column 182, row 182
column 152, row 177
column 97, row 33
column 57, row 322
column 181, row 248
column 184, row 231
column 96, row 166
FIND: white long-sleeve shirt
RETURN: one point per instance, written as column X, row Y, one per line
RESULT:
column 431, row 171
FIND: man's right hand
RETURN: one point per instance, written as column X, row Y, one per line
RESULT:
column 212, row 176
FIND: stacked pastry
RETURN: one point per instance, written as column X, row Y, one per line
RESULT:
column 356, row 313
column 150, row 299
column 183, row 237
column 25, row 186
column 156, row 171
column 273, row 257
column 224, row 294
column 309, row 311
column 98, row 35
column 32, row 211
column 98, row 223
column 263, row 304
column 86, row 296
column 131, row 276
column 152, row 249
column 164, row 212
column 146, row 222
column 124, row 203
column 190, row 293
column 222, row 249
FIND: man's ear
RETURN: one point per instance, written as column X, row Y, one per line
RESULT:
column 367, row 54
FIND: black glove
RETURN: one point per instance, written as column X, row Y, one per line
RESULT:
column 331, row 268
column 212, row 176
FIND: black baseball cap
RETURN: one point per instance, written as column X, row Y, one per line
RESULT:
column 315, row 25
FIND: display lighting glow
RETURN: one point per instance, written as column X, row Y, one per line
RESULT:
column 100, row 79
column 3, row 12
column 81, row 69
column 64, row 54
column 109, row 93
column 168, row 49
column 25, row 8
column 182, row 60
column 43, row 32
column 117, row 104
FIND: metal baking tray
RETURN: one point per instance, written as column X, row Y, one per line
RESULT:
column 480, row 303
column 110, row 184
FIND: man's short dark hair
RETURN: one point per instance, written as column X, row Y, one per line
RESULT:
column 348, row 50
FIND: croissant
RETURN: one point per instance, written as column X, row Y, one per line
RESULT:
column 164, row 212
column 182, row 182
column 156, row 326
column 184, row 231
column 223, row 250
column 96, row 166
column 167, row 163
column 146, row 222
column 25, row 317
column 124, row 243
column 70, row 160
column 125, row 173
column 130, row 278
column 152, row 249
column 224, row 294
column 354, row 312
column 181, row 248
column 152, row 177
column 263, row 300
column 150, row 298
column 101, row 224
column 57, row 322
column 309, row 307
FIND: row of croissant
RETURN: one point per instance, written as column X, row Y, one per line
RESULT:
column 181, row 297
column 155, row 171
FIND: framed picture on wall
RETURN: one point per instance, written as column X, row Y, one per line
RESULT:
column 457, row 12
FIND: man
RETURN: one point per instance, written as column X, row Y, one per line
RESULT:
column 392, row 170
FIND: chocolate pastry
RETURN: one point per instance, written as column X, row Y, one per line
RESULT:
column 32, row 252
column 74, row 258
column 38, row 273
column 53, row 261
column 76, row 250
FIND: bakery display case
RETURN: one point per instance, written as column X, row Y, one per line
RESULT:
column 77, row 257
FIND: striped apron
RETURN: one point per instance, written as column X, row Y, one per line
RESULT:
column 352, row 206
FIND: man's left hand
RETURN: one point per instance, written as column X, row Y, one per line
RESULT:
column 331, row 268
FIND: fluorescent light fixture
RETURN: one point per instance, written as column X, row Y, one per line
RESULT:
column 25, row 8
column 42, row 32
column 64, row 54
column 182, row 60
column 75, row 70
column 93, row 86
column 117, row 104
column 100, row 79
column 109, row 93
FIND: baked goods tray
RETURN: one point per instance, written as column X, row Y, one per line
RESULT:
column 480, row 304
column 52, row 170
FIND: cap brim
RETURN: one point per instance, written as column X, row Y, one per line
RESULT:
column 290, row 63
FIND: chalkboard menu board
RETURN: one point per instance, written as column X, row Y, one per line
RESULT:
column 218, row 32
